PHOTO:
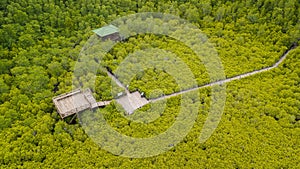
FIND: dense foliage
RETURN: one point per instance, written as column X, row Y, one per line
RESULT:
column 40, row 43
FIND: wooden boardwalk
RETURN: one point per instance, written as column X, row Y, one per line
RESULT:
column 76, row 101
column 116, row 80
column 283, row 57
column 131, row 102
column 100, row 104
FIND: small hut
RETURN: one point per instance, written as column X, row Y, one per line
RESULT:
column 108, row 32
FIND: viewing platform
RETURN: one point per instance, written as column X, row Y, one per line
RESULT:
column 76, row 101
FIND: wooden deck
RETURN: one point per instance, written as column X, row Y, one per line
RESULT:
column 76, row 101
column 132, row 101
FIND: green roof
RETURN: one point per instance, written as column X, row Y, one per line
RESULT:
column 106, row 30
